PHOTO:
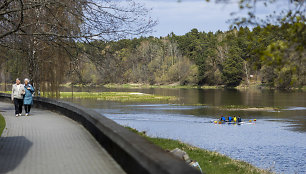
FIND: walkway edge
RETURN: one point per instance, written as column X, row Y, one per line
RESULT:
column 132, row 152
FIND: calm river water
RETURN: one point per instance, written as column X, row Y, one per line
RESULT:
column 277, row 141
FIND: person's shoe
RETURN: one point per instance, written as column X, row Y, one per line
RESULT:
column 17, row 115
column 27, row 114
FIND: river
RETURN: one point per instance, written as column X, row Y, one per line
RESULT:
column 276, row 141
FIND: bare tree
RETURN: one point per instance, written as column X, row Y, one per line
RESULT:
column 47, row 32
column 102, row 19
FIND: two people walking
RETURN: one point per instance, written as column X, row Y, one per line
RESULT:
column 22, row 94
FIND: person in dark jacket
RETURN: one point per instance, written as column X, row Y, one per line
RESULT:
column 239, row 119
column 28, row 96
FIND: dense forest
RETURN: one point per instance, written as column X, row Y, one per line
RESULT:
column 236, row 57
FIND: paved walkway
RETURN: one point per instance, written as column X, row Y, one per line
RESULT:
column 47, row 142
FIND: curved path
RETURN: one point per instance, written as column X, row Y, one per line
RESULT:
column 47, row 142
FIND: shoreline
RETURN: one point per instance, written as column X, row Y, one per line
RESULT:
column 176, row 86
column 150, row 98
column 210, row 161
column 119, row 96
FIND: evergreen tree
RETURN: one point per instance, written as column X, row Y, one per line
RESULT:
column 233, row 65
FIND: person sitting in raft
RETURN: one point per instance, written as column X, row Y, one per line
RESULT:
column 229, row 119
column 222, row 118
column 235, row 119
column 239, row 119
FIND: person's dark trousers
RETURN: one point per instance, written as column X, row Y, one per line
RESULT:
column 18, row 105
column 27, row 108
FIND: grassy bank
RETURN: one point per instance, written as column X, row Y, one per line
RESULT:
column 210, row 162
column 2, row 124
column 119, row 96
column 115, row 96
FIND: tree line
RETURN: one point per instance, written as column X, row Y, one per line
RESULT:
column 266, row 56
column 263, row 55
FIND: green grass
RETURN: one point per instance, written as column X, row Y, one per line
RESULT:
column 210, row 162
column 119, row 96
column 2, row 124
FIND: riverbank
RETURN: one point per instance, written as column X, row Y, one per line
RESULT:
column 210, row 162
column 2, row 124
column 137, row 86
column 119, row 96
column 143, row 85
column 177, row 86
column 115, row 96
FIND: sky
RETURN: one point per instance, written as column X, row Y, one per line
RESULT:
column 181, row 17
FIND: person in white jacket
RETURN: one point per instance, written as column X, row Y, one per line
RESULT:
column 17, row 97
